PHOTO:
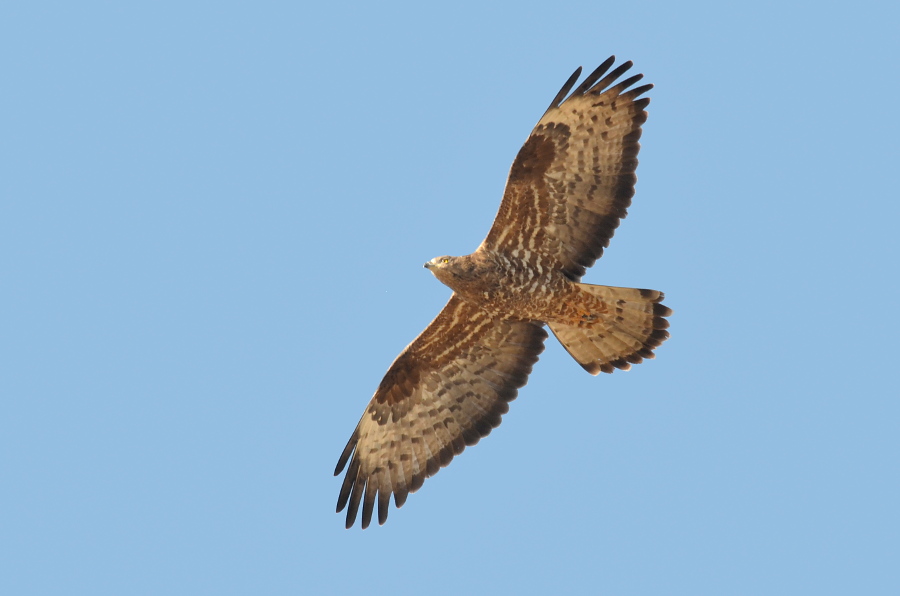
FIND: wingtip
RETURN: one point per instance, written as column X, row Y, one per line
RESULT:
column 567, row 86
column 592, row 86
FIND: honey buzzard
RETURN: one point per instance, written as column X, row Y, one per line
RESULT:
column 568, row 188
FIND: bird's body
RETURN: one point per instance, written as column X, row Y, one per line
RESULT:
column 567, row 190
column 507, row 287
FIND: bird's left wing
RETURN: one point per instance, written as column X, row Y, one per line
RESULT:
column 445, row 391
column 573, row 179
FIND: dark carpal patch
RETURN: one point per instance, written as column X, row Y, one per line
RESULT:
column 534, row 158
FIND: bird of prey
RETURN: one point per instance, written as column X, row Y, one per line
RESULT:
column 567, row 190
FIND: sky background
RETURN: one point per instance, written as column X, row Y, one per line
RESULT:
column 213, row 219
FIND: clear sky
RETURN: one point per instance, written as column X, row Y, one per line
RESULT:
column 213, row 219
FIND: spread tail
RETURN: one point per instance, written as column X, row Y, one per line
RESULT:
column 612, row 327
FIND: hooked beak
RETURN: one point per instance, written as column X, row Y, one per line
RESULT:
column 427, row 265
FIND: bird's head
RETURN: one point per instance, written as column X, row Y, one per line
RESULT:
column 444, row 268
column 462, row 274
column 438, row 263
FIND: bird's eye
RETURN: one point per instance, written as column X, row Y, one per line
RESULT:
column 445, row 260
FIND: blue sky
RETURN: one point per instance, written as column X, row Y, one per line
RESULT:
column 213, row 219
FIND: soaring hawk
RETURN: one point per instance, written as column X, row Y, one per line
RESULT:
column 568, row 188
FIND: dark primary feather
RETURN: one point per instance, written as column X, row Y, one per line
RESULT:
column 594, row 76
column 615, row 74
column 565, row 89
